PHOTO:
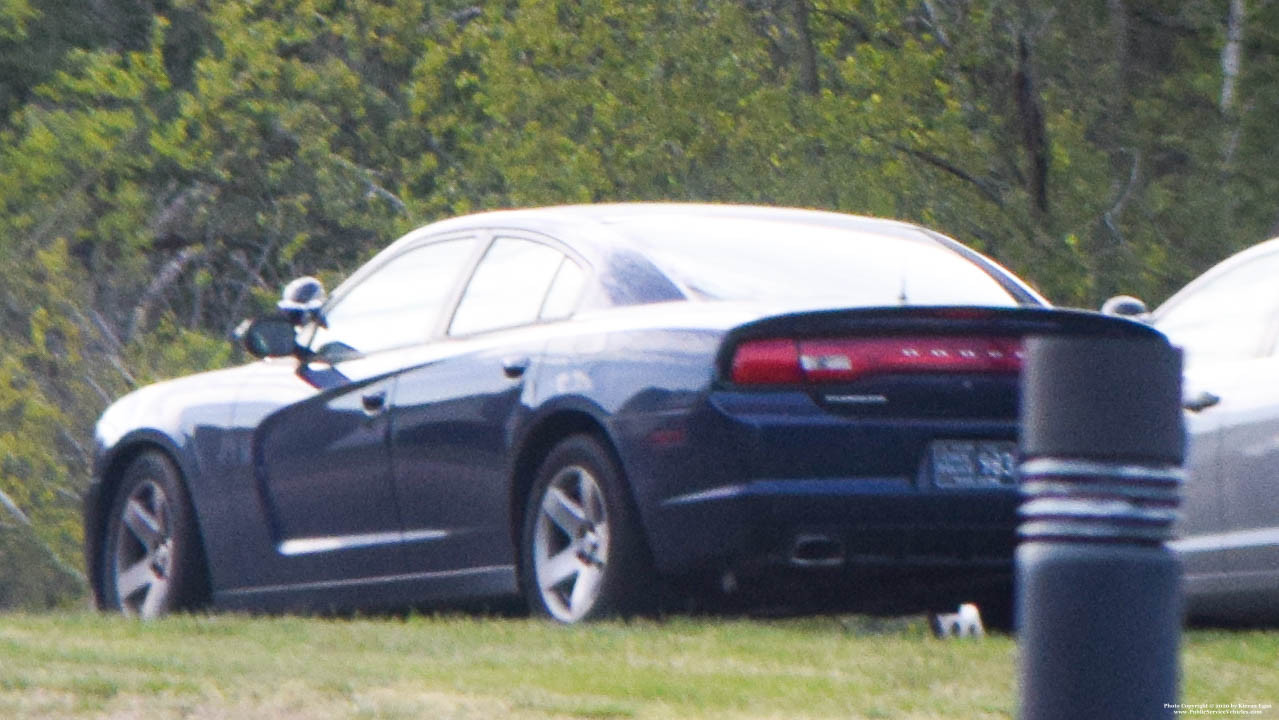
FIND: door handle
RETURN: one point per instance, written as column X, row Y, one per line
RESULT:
column 1200, row 401
column 374, row 402
column 514, row 367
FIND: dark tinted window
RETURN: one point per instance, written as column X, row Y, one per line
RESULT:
column 398, row 303
column 738, row 259
column 508, row 287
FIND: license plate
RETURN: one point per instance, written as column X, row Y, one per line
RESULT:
column 973, row 463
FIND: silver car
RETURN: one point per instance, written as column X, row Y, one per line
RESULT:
column 1227, row 322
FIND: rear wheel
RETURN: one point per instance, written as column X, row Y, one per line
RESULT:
column 997, row 613
column 152, row 562
column 582, row 555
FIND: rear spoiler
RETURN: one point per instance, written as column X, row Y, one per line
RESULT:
column 948, row 320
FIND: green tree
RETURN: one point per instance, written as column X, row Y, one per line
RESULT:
column 167, row 165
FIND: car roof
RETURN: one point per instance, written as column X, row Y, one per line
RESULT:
column 597, row 231
column 552, row 218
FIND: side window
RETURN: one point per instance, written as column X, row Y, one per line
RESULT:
column 1228, row 317
column 398, row 303
column 565, row 290
column 510, row 287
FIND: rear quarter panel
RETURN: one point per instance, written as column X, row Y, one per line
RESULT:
column 642, row 375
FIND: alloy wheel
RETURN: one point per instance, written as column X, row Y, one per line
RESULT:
column 571, row 544
column 143, row 563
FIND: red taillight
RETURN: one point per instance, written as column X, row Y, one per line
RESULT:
column 843, row 360
column 767, row 362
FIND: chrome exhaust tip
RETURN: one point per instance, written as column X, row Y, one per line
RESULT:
column 816, row 551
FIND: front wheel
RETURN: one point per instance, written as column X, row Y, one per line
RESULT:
column 152, row 561
column 582, row 555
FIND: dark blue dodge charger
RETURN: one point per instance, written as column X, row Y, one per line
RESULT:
column 582, row 406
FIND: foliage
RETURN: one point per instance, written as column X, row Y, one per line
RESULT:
column 167, row 165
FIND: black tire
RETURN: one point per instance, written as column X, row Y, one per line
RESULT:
column 997, row 613
column 582, row 554
column 152, row 559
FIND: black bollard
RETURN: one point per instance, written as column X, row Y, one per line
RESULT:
column 1098, row 593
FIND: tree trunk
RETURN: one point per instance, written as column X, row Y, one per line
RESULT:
column 807, row 50
column 1034, row 136
column 1232, row 55
column 1231, row 66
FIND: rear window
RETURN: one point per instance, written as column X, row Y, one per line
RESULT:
column 735, row 259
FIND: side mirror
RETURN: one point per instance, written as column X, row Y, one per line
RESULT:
column 1125, row 306
column 268, row 337
column 302, row 299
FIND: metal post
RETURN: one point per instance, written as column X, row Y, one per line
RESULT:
column 1098, row 593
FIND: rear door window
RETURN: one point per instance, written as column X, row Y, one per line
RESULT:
column 512, row 286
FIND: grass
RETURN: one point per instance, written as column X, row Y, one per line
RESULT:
column 207, row 667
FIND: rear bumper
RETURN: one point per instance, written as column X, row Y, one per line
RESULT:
column 855, row 522
column 776, row 487
column 858, row 544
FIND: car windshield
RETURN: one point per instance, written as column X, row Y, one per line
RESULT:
column 750, row 259
column 1229, row 313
